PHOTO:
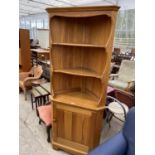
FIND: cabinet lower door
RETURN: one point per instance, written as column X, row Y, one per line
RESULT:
column 75, row 129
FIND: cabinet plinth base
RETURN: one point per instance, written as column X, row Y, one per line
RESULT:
column 68, row 149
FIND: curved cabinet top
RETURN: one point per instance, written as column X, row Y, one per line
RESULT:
column 88, row 8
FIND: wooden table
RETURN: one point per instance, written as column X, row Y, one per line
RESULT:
column 40, row 53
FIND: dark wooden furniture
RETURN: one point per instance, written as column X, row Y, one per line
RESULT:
column 125, row 97
column 110, row 91
column 81, row 48
column 117, row 51
column 24, row 50
column 40, row 92
column 35, row 97
column 39, row 96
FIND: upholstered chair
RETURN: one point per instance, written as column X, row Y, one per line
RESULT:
column 26, row 78
column 123, row 143
column 125, row 79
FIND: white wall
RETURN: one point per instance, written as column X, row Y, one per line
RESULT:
column 43, row 36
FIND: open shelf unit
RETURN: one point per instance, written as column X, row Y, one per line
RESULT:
column 81, row 46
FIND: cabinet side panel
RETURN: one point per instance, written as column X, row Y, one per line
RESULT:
column 25, row 50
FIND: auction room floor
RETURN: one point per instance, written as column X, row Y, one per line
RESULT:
column 33, row 136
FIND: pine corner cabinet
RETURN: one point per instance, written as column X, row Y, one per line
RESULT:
column 81, row 40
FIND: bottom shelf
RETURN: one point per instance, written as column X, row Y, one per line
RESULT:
column 79, row 99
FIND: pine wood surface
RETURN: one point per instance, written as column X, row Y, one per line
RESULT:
column 24, row 50
column 81, row 42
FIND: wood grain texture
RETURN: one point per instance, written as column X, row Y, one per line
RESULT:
column 25, row 54
column 81, row 42
column 75, row 127
column 86, row 30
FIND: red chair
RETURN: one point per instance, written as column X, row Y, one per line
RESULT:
column 46, row 116
column 125, row 97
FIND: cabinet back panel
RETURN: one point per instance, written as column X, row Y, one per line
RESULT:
column 87, row 30
column 93, row 59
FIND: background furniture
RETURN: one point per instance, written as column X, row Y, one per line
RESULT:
column 126, row 76
column 122, row 143
column 39, row 96
column 34, row 43
column 81, row 47
column 24, row 50
column 39, row 55
column 116, row 51
column 117, row 109
column 26, row 78
column 110, row 91
column 38, row 82
column 125, row 97
column 46, row 69
column 46, row 86
column 45, row 115
column 40, row 93
column 118, row 56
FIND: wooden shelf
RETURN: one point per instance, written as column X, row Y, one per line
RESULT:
column 79, row 72
column 79, row 45
column 79, row 99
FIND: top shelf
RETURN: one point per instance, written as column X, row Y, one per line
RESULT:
column 79, row 45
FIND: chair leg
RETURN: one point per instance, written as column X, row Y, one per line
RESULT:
column 43, row 100
column 32, row 101
column 25, row 94
column 110, row 118
column 40, row 121
column 37, row 104
column 48, row 133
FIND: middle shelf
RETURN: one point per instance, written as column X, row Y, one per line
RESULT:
column 79, row 60
column 79, row 71
column 79, row 45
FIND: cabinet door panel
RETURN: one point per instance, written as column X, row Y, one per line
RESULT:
column 77, row 127
column 67, row 125
column 60, row 123
column 74, row 124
